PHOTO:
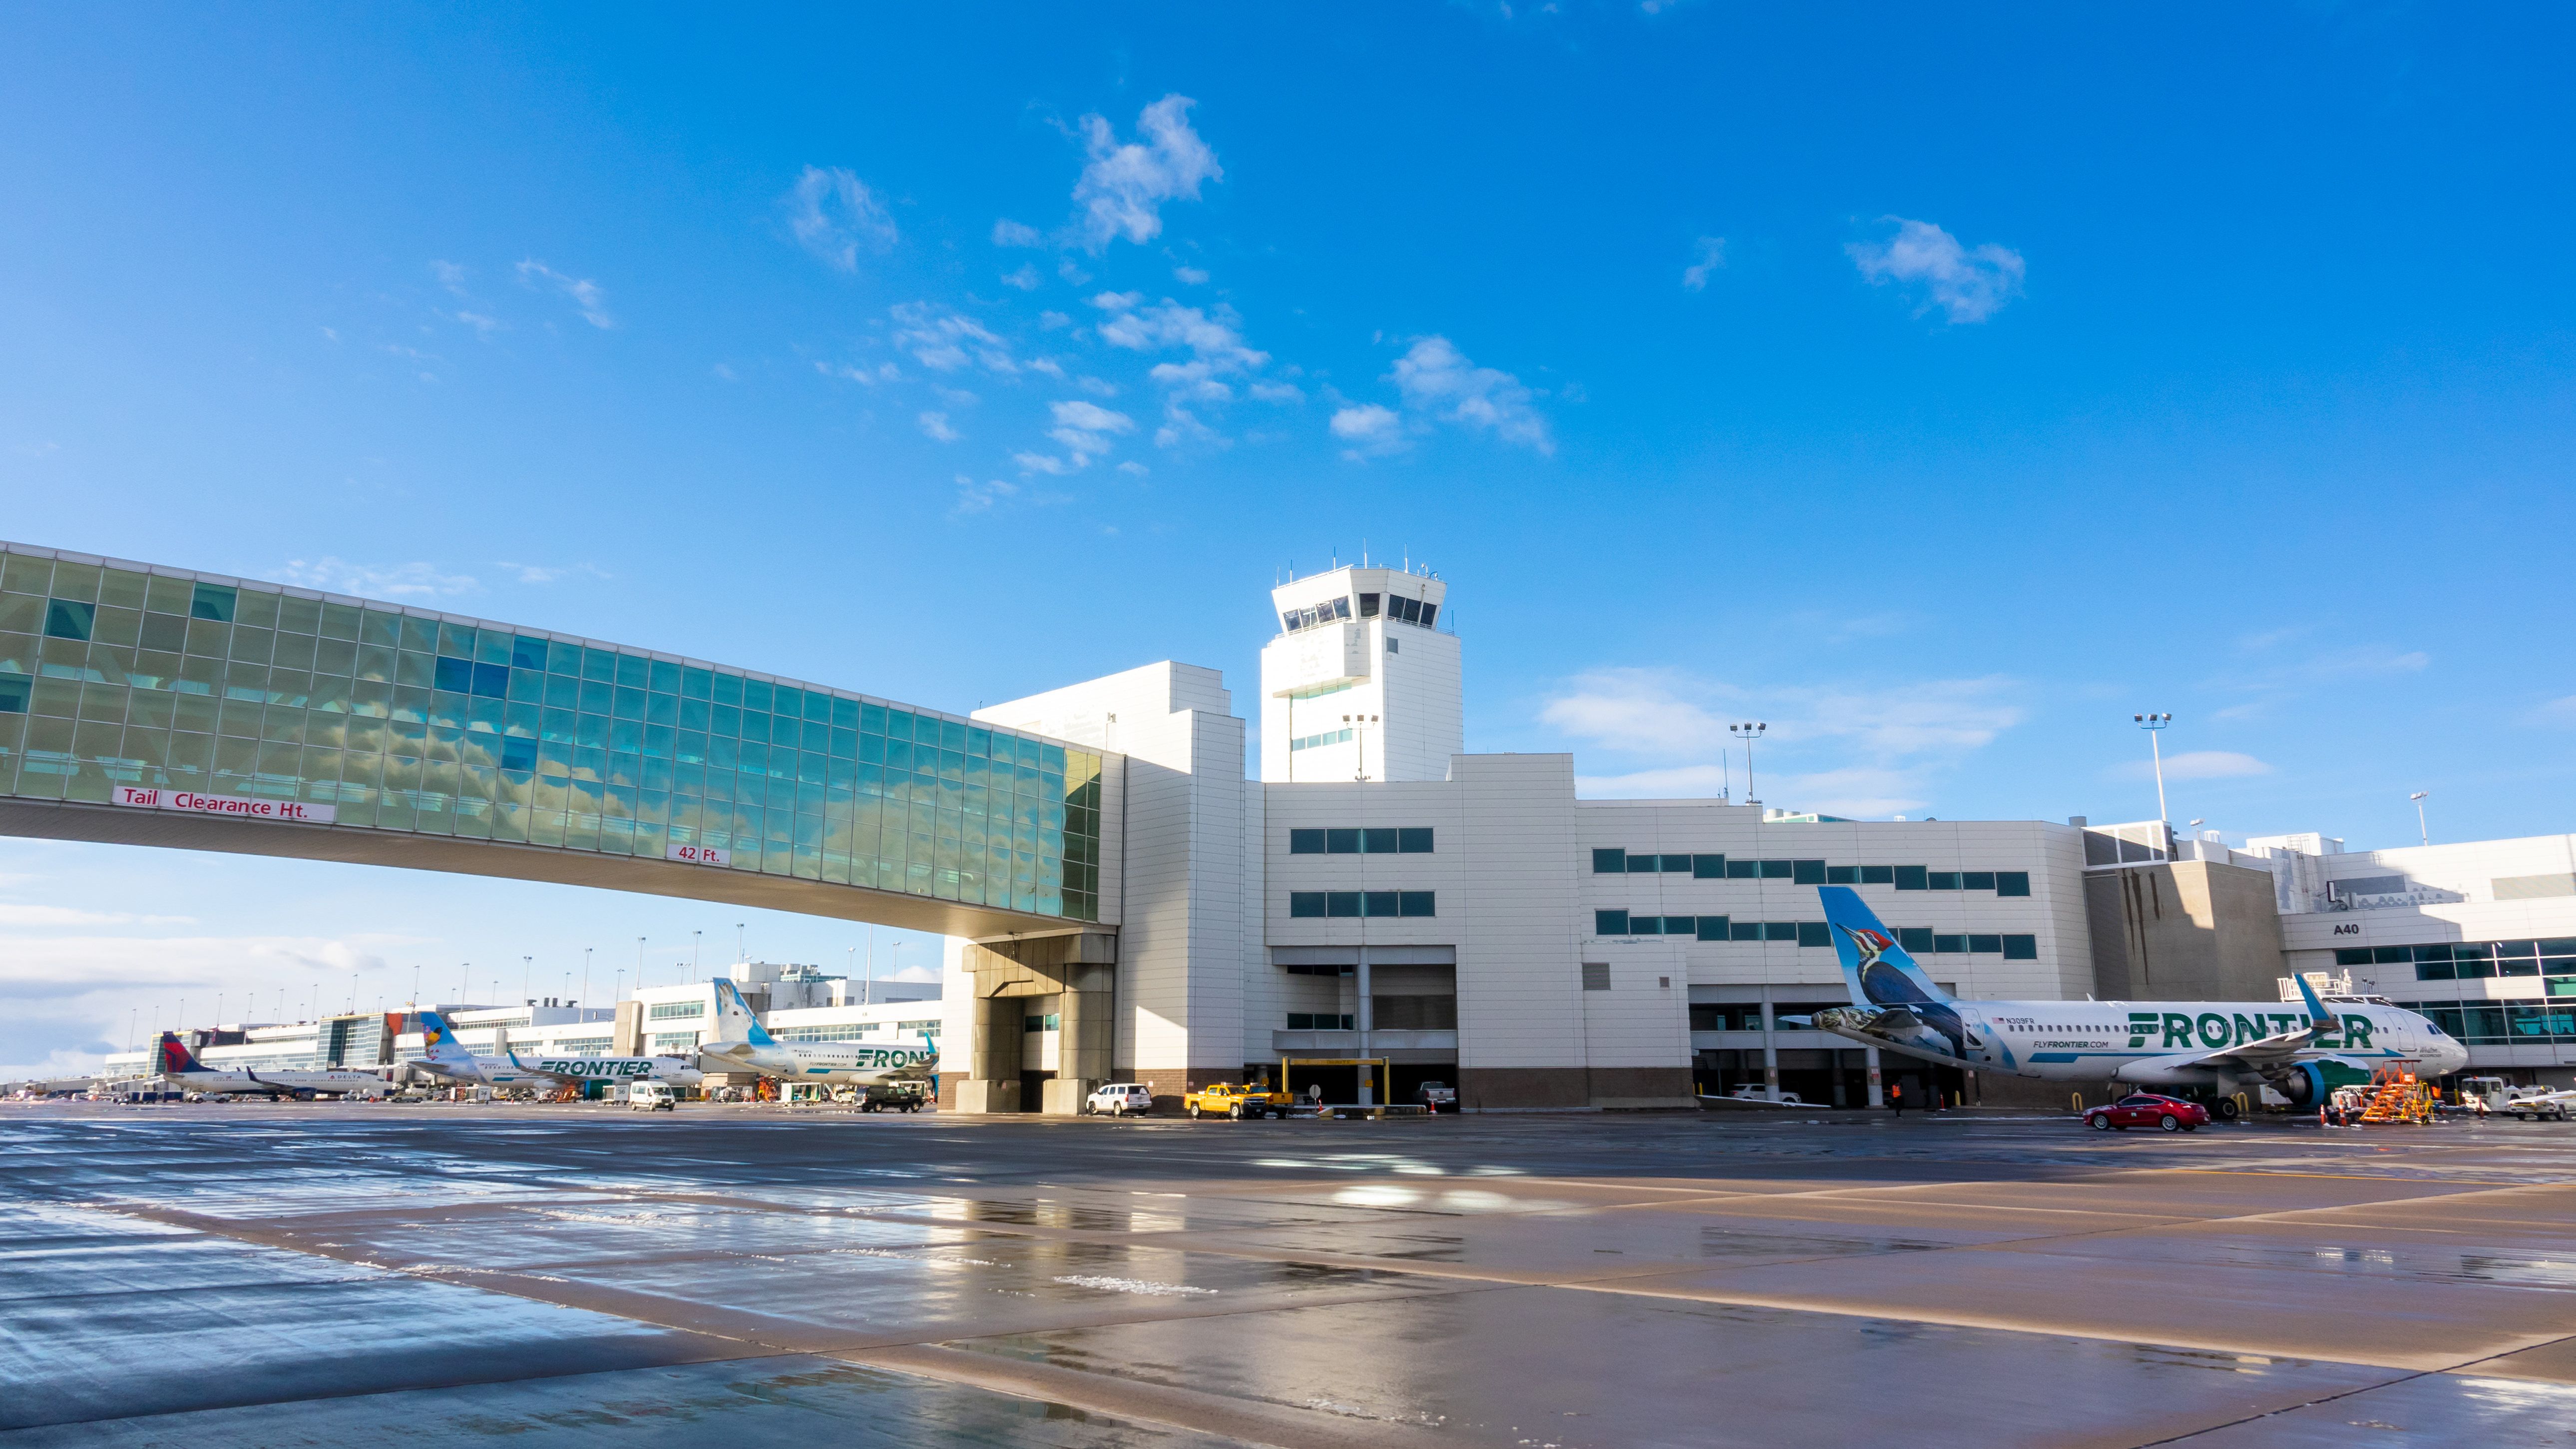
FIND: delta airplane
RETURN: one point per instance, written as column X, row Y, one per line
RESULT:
column 2222, row 1047
column 443, row 1055
column 185, row 1072
column 742, row 1043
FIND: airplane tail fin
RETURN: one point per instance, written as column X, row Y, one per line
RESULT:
column 438, row 1042
column 734, row 1019
column 2324, row 1020
column 175, row 1056
column 1876, row 969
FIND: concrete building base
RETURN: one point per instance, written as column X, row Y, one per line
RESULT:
column 1615, row 1088
column 975, row 1094
column 1063, row 1097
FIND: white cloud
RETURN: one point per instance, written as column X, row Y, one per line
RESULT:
column 483, row 326
column 1217, row 351
column 1125, row 184
column 1008, row 233
column 945, row 341
column 47, row 917
column 1436, row 378
column 1084, row 429
column 1371, row 430
column 585, row 293
column 1893, row 740
column 1707, row 256
column 1968, row 286
column 935, row 425
column 382, row 581
column 2197, row 765
column 864, row 376
column 1054, row 321
column 1042, row 463
column 552, row 573
column 1026, row 278
column 1096, row 386
column 974, row 497
column 1190, row 276
column 450, row 275
column 833, row 214
column 1277, row 392
column 1134, row 468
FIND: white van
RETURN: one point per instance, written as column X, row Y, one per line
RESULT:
column 652, row 1097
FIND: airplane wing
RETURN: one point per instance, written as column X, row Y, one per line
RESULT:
column 2271, row 1053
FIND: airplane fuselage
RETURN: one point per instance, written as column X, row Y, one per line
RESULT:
column 276, row 1084
column 844, row 1063
column 2148, row 1042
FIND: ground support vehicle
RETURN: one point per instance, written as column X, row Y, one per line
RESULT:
column 1119, row 1099
column 652, row 1097
column 892, row 1097
column 1236, row 1101
column 2536, row 1104
column 1436, row 1097
column 2147, row 1109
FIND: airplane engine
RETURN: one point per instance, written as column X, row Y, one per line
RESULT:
column 2305, row 1086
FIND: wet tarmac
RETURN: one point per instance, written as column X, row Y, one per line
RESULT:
column 312, row 1274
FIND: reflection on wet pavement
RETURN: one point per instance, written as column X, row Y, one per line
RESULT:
column 312, row 1274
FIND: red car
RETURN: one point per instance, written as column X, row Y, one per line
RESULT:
column 2146, row 1109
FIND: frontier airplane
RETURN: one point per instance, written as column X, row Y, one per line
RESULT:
column 444, row 1056
column 743, row 1044
column 2219, row 1047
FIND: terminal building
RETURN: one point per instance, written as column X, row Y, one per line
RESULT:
column 1130, row 893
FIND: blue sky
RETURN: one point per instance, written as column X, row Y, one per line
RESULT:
column 1941, row 388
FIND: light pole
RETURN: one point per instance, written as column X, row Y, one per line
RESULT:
column 639, row 963
column 1748, row 733
column 2423, row 832
column 2154, row 725
column 585, row 973
column 528, row 979
column 696, row 971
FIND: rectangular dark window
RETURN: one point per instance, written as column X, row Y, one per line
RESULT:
column 1842, row 875
column 2390, row 955
column 1985, row 945
column 1379, row 840
column 211, row 601
column 1305, row 842
column 1319, row 1021
column 1341, row 842
column 1744, row 930
column 1610, row 923
column 492, row 681
column 1949, row 945
column 1779, row 930
column 1778, row 869
column 16, row 691
column 1305, row 903
column 518, row 754
column 1944, row 880
column 1677, row 864
column 1368, row 606
column 65, row 619
column 2012, row 882
column 1708, row 867
column 1807, row 872
column 1643, row 864
column 1707, row 1016
column 1814, row 933
column 2434, row 970
column 1712, row 928
column 2353, row 956
column 2021, row 948
column 1645, row 925
column 1421, row 903
column 1341, row 903
column 1379, row 903
column 1877, row 874
column 1416, row 840
column 1610, row 862
column 1430, row 612
column 1911, row 878
column 456, row 676
column 1744, row 870
column 1915, row 939
column 1680, row 925
column 1976, row 880
column 1596, row 975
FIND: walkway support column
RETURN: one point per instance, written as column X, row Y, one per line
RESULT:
column 1770, row 1051
column 1081, row 970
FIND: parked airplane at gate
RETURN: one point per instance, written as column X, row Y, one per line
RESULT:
column 2224, row 1047
column 443, row 1055
column 742, row 1043
column 185, row 1072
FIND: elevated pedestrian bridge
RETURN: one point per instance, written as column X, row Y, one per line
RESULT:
column 147, row 705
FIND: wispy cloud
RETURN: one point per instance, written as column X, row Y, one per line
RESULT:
column 539, row 574
column 1968, row 285
column 935, row 426
column 1123, row 188
column 2195, row 765
column 1218, row 356
column 833, row 214
column 450, row 275
column 587, row 298
column 1707, row 255
column 1438, row 381
column 1371, row 430
column 1026, row 278
column 864, row 376
column 1008, row 233
column 945, row 340
column 974, row 497
column 382, row 581
column 1894, row 742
